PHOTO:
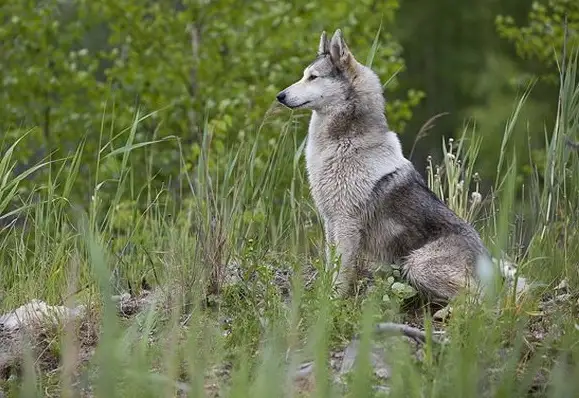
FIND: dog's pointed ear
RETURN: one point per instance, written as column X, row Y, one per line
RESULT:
column 323, row 47
column 339, row 51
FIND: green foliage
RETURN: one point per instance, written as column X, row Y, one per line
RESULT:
column 543, row 37
column 549, row 38
column 48, row 82
column 75, row 68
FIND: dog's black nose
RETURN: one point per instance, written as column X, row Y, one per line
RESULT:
column 281, row 96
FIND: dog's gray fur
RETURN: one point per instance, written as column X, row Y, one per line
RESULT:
column 374, row 204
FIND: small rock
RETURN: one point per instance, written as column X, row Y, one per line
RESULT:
column 304, row 370
column 37, row 313
column 562, row 298
column 382, row 373
column 338, row 354
column 442, row 313
column 350, row 354
column 120, row 297
column 563, row 285
column 130, row 305
column 522, row 286
column 381, row 368
column 232, row 274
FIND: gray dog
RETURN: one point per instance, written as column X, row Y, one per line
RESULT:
column 374, row 204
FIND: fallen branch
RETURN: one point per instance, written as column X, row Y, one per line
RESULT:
column 398, row 328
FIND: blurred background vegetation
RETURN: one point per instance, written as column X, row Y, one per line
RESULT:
column 77, row 71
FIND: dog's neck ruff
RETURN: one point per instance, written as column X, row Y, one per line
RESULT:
column 342, row 123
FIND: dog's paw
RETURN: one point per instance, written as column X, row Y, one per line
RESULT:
column 341, row 290
column 343, row 286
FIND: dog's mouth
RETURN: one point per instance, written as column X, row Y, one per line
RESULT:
column 297, row 106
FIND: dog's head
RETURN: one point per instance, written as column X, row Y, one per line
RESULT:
column 329, row 81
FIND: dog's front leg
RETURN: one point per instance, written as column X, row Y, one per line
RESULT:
column 347, row 237
column 330, row 242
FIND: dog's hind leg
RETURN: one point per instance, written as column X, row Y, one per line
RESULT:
column 441, row 269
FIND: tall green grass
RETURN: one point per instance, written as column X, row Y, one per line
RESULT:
column 182, row 242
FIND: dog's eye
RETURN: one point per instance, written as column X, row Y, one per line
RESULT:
column 312, row 77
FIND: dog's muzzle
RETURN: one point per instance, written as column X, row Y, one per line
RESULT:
column 282, row 98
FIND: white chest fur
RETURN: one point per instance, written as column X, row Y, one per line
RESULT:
column 343, row 171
